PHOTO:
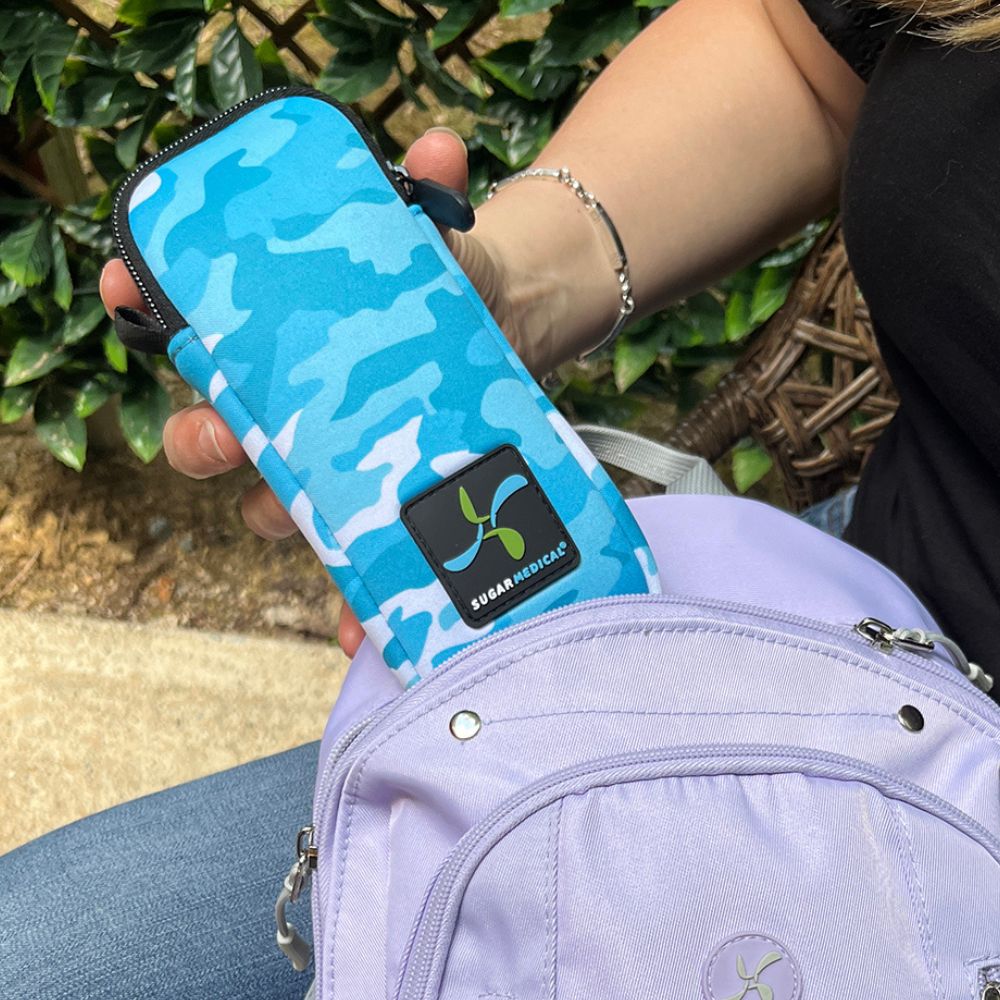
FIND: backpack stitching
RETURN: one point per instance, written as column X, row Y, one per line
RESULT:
column 918, row 901
column 698, row 715
column 549, row 978
column 796, row 981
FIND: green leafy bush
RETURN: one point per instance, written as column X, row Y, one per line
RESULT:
column 81, row 103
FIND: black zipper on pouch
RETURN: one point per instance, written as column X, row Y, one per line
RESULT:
column 151, row 334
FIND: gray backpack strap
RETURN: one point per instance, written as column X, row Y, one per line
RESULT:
column 674, row 470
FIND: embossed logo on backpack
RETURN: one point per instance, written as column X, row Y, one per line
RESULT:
column 751, row 967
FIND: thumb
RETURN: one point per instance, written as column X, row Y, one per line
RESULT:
column 439, row 155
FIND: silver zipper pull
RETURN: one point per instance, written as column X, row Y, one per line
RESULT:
column 305, row 865
column 296, row 949
column 917, row 640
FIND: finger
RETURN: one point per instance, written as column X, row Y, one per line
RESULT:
column 440, row 155
column 198, row 444
column 264, row 515
column 118, row 288
column 349, row 631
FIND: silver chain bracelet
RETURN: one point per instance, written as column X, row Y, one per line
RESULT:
column 620, row 265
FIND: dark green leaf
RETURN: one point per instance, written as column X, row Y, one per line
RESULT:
column 566, row 45
column 214, row 6
column 114, row 351
column 8, row 89
column 82, row 229
column 102, row 156
column 10, row 291
column 139, row 12
column 454, row 21
column 349, row 78
column 750, row 465
column 19, row 207
column 512, row 66
column 770, row 293
column 86, row 52
column 105, row 203
column 144, row 410
column 62, row 281
column 84, row 315
column 91, row 396
column 347, row 33
column 52, row 46
column 100, row 101
column 33, row 356
column 152, row 49
column 372, row 12
column 798, row 247
column 234, row 71
column 636, row 352
column 15, row 51
column 522, row 130
column 272, row 66
column 26, row 253
column 444, row 85
column 15, row 402
column 59, row 428
column 655, row 3
column 131, row 139
column 184, row 78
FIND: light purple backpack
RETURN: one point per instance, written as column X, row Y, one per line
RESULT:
column 728, row 791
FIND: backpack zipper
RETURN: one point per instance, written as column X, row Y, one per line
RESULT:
column 887, row 638
column 423, row 963
column 346, row 751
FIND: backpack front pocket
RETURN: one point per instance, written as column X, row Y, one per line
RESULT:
column 729, row 872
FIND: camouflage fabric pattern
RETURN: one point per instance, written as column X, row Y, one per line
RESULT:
column 334, row 332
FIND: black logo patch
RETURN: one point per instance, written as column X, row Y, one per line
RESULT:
column 491, row 536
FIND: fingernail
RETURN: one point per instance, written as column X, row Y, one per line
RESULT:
column 208, row 443
column 100, row 291
column 447, row 131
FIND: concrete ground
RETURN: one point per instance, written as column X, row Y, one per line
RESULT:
column 93, row 712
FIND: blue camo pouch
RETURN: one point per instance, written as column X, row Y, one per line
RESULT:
column 296, row 283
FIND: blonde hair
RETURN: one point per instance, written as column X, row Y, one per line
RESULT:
column 956, row 21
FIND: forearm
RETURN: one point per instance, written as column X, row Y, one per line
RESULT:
column 706, row 144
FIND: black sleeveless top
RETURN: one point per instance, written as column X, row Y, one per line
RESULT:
column 921, row 211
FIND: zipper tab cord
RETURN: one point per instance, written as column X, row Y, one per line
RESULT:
column 887, row 638
column 295, row 948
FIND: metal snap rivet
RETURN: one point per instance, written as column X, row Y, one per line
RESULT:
column 991, row 991
column 465, row 725
column 912, row 719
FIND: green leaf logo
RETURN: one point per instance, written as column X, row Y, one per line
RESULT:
column 512, row 541
column 468, row 510
column 752, row 984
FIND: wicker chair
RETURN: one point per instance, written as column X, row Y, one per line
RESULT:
column 811, row 388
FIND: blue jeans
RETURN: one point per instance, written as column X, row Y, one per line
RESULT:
column 169, row 896
column 833, row 514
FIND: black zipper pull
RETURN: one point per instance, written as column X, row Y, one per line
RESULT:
column 443, row 205
column 141, row 332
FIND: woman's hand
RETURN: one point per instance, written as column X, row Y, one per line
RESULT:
column 197, row 442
